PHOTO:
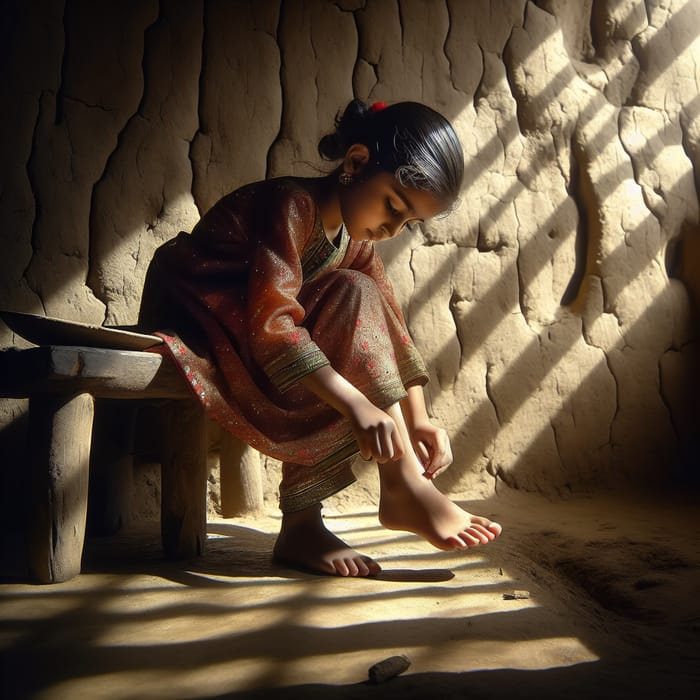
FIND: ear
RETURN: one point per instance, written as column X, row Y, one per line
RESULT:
column 356, row 158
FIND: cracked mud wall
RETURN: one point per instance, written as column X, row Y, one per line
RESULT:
column 555, row 306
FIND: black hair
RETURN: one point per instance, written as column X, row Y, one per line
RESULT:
column 407, row 139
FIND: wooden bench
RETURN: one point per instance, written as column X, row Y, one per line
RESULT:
column 63, row 383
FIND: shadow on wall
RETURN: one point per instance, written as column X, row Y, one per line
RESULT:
column 595, row 300
column 590, row 300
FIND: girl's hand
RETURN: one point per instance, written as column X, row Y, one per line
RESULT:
column 376, row 433
column 432, row 445
column 375, row 430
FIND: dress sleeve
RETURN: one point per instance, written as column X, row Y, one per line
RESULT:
column 281, row 347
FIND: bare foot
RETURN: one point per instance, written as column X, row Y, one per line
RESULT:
column 412, row 503
column 304, row 542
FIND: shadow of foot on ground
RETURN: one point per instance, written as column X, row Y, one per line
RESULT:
column 232, row 552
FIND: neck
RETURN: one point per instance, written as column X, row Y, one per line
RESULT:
column 328, row 204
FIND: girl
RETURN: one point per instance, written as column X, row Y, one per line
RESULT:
column 279, row 313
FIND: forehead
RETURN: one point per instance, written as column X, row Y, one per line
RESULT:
column 420, row 203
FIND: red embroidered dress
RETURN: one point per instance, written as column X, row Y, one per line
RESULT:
column 255, row 298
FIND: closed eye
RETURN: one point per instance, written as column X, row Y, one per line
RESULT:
column 391, row 208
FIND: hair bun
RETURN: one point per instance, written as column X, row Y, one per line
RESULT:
column 350, row 127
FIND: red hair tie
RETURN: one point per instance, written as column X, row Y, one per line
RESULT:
column 377, row 106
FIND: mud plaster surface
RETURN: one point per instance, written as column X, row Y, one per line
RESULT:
column 552, row 307
column 614, row 611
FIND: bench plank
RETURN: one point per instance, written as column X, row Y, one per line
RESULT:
column 100, row 372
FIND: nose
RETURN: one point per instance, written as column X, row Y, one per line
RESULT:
column 392, row 229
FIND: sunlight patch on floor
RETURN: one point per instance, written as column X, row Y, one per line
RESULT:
column 233, row 621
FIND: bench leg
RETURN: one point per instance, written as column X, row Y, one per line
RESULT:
column 111, row 466
column 240, row 475
column 184, row 479
column 60, row 430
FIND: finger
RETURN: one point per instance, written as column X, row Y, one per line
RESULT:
column 441, row 459
column 369, row 447
column 437, row 467
column 442, row 456
column 448, row 456
column 365, row 452
column 399, row 449
column 386, row 432
column 439, row 471
column 377, row 449
column 423, row 454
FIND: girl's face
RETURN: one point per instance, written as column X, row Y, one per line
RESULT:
column 378, row 207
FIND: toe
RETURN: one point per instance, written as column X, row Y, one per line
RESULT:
column 362, row 568
column 373, row 568
column 353, row 569
column 471, row 538
column 477, row 535
column 495, row 528
column 355, row 566
column 322, row 567
column 341, row 568
column 489, row 527
column 483, row 534
column 460, row 541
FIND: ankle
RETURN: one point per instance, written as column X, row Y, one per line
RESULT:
column 400, row 473
column 300, row 518
column 391, row 475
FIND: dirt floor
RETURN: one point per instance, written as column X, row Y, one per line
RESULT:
column 613, row 612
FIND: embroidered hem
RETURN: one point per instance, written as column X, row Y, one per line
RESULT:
column 291, row 366
column 323, row 486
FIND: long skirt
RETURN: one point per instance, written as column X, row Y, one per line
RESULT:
column 359, row 333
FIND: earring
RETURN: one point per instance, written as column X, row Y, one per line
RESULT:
column 345, row 178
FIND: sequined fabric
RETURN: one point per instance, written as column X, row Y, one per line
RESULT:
column 255, row 298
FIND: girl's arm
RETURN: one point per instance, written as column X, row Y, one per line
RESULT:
column 376, row 433
column 431, row 444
